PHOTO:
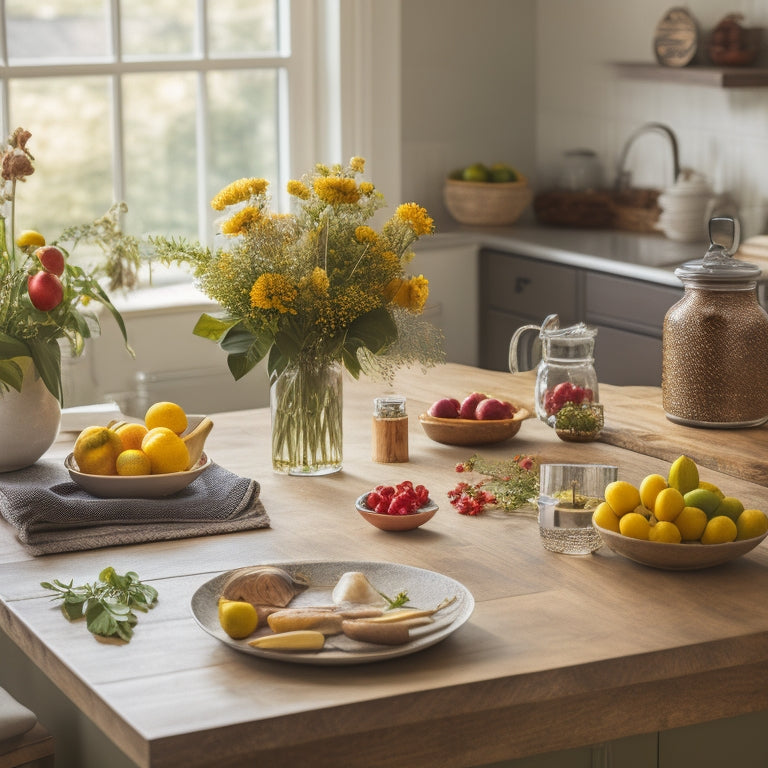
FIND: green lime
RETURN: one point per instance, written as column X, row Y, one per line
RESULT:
column 475, row 172
column 703, row 499
column 502, row 173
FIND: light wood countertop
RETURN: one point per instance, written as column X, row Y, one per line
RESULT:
column 560, row 651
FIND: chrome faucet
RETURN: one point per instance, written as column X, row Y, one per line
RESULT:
column 624, row 177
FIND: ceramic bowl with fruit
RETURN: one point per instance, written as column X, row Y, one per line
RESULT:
column 141, row 459
column 476, row 420
column 402, row 507
column 677, row 522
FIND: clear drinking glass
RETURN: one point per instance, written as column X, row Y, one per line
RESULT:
column 568, row 495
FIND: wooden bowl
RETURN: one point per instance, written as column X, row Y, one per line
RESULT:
column 472, row 431
column 676, row 557
column 396, row 522
column 486, row 203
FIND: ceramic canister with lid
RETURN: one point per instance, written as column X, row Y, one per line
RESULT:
column 715, row 341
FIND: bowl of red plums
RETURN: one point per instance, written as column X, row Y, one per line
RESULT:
column 478, row 419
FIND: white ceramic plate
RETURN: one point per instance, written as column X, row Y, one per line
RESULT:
column 676, row 557
column 426, row 589
column 137, row 486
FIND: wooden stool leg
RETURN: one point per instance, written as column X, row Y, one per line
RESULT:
column 33, row 749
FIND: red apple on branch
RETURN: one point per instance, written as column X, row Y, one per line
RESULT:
column 45, row 291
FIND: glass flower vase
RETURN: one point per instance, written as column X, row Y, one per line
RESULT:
column 306, row 406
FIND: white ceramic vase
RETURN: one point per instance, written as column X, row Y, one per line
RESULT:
column 29, row 421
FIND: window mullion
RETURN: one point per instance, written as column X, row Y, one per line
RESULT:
column 118, row 151
column 202, row 127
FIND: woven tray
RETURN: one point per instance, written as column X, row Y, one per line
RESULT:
column 634, row 210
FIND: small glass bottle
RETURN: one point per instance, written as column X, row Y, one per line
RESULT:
column 390, row 430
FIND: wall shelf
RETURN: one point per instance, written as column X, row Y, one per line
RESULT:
column 718, row 77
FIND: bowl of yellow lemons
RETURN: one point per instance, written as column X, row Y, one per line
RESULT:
column 492, row 195
column 133, row 459
column 677, row 522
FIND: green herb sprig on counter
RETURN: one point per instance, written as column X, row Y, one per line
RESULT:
column 108, row 604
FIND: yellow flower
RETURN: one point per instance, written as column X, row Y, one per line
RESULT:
column 365, row 234
column 411, row 294
column 318, row 281
column 273, row 291
column 336, row 190
column 241, row 221
column 238, row 191
column 366, row 188
column 416, row 218
column 298, row 189
column 357, row 164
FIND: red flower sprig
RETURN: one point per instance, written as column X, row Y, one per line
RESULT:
column 402, row 499
column 508, row 485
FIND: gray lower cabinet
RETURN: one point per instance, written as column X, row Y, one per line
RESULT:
column 628, row 313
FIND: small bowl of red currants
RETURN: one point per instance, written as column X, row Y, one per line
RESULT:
column 400, row 507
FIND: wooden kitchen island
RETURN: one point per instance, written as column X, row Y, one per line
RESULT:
column 560, row 651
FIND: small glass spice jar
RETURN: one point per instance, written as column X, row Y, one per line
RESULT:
column 390, row 430
column 715, row 341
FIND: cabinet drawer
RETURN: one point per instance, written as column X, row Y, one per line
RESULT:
column 630, row 304
column 528, row 287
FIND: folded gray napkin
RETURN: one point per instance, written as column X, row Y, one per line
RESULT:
column 53, row 514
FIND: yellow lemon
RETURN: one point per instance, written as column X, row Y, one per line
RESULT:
column 751, row 523
column 131, row 435
column 691, row 523
column 634, row 525
column 30, row 238
column 683, row 474
column 719, row 530
column 669, row 504
column 166, row 450
column 622, row 496
column 650, row 488
column 237, row 618
column 165, row 414
column 665, row 532
column 605, row 517
column 96, row 451
column 133, row 462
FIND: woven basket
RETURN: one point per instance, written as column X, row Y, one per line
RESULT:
column 478, row 202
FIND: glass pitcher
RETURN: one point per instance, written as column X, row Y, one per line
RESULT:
column 566, row 371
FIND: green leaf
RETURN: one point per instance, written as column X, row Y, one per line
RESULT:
column 11, row 374
column 244, row 349
column 213, row 328
column 47, row 357
column 375, row 330
column 100, row 620
column 73, row 609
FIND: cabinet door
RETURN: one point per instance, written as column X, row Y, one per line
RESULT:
column 633, row 305
column 627, row 359
column 516, row 291
column 496, row 329
column 528, row 287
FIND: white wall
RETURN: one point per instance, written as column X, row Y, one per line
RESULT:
column 580, row 101
column 467, row 91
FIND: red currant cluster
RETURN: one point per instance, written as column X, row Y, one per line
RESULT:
column 470, row 499
column 565, row 392
column 399, row 500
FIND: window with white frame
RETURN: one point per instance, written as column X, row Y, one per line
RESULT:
column 158, row 103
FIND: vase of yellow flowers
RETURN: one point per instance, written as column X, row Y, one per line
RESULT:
column 42, row 297
column 313, row 291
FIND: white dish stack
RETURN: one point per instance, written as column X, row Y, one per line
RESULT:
column 685, row 207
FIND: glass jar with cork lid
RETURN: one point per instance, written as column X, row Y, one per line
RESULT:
column 715, row 340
